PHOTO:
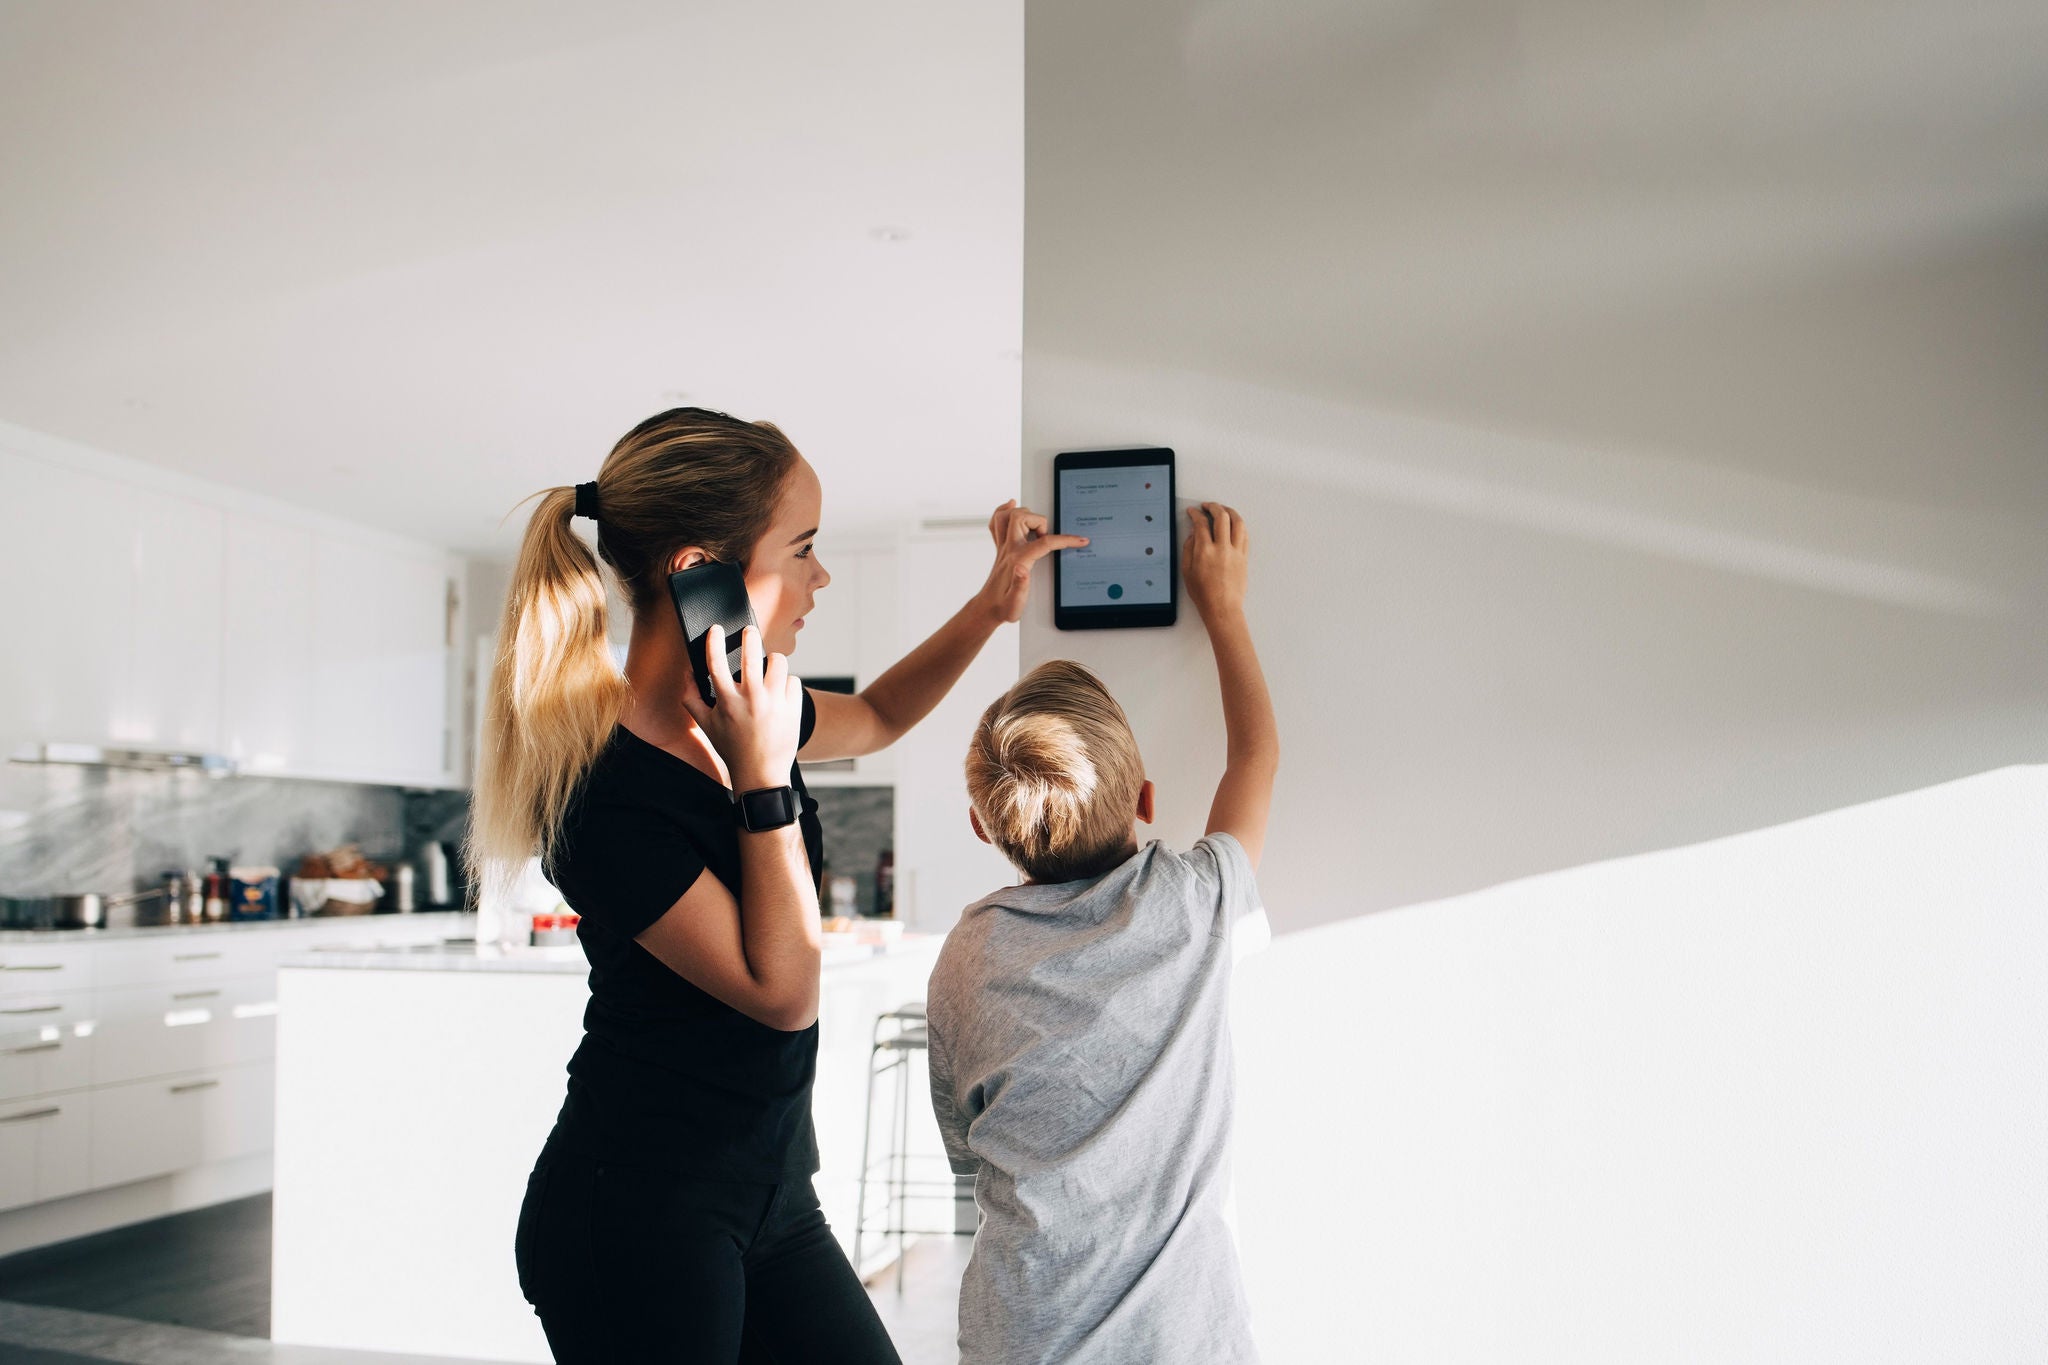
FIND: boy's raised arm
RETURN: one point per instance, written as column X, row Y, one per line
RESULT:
column 1214, row 562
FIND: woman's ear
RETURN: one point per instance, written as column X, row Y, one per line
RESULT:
column 689, row 557
column 1145, row 801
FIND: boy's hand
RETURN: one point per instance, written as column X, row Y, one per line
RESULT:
column 1213, row 561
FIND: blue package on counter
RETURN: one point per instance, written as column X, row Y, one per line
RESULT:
column 252, row 893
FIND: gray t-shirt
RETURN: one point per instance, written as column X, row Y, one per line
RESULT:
column 1081, row 1072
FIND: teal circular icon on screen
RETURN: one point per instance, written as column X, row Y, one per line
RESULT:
column 1116, row 590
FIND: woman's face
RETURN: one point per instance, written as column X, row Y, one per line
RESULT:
column 783, row 573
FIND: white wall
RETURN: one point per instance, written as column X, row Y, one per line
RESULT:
column 1640, row 441
column 1773, row 1098
column 1494, row 655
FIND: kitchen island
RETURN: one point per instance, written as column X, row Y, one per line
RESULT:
column 415, row 1087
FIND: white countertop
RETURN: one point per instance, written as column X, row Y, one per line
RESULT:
column 456, row 920
column 840, row 951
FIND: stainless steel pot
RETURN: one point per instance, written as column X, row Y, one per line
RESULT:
column 88, row 910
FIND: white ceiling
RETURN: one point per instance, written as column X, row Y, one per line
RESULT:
column 409, row 262
column 1803, row 238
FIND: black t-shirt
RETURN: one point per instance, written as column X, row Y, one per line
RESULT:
column 667, row 1075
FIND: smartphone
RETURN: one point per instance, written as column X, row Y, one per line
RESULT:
column 706, row 596
column 1128, row 574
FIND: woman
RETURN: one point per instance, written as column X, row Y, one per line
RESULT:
column 670, row 1216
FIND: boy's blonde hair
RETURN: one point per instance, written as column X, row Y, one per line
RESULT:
column 1053, row 772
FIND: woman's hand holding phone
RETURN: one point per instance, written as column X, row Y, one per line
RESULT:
column 757, row 719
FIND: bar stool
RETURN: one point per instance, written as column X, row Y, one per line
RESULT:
column 902, row 1037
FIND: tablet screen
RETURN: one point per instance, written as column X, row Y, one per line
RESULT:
column 1126, row 511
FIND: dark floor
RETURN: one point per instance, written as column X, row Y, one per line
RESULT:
column 194, row 1289
column 29, row 1355
column 208, row 1269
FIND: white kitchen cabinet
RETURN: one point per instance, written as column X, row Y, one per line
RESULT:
column 176, row 959
column 173, row 694
column 46, row 1043
column 166, row 1029
column 155, row 1127
column 269, row 635
column 115, row 596
column 39, row 968
column 156, row 614
column 45, row 1052
column 43, row 1149
column 69, row 608
column 381, row 680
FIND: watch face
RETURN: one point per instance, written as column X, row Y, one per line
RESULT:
column 768, row 809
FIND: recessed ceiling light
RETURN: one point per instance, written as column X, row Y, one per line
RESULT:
column 889, row 233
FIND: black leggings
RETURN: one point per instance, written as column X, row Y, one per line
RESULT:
column 627, row 1265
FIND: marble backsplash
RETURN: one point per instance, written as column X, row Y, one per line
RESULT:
column 859, row 822
column 65, row 829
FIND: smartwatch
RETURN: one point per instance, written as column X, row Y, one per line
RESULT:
column 765, row 808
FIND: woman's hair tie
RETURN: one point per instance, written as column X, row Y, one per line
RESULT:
column 586, row 500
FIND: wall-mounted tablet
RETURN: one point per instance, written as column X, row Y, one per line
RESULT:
column 1128, row 573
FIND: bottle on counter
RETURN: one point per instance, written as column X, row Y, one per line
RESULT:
column 215, row 903
column 175, row 896
column 885, row 883
column 434, row 872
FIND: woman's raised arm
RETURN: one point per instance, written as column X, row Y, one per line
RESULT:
column 883, row 711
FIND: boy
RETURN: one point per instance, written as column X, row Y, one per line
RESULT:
column 1080, row 1051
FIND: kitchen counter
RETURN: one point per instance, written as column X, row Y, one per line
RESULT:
column 456, row 919
column 567, row 961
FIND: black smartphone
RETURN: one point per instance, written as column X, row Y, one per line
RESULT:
column 1128, row 574
column 706, row 596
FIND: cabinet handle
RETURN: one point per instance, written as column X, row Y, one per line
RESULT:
column 194, row 957
column 193, row 995
column 28, row 1114
column 193, row 1085
column 36, row 1047
column 35, row 1009
column 33, row 967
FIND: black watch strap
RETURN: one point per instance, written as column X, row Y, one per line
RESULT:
column 765, row 808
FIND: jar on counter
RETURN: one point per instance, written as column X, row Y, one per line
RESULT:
column 555, row 928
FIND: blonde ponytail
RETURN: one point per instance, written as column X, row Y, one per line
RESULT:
column 554, row 696
column 685, row 477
